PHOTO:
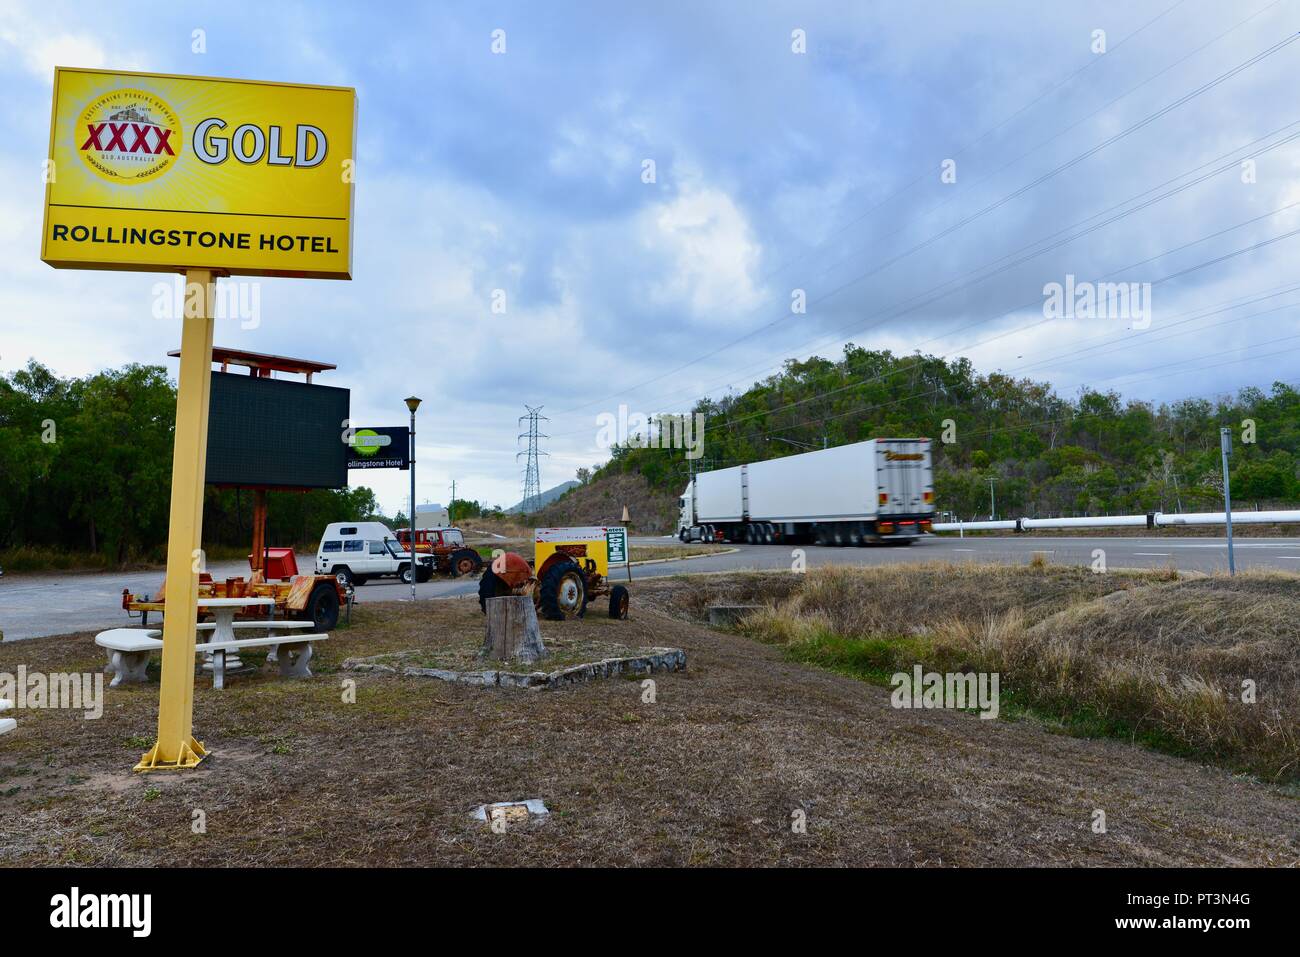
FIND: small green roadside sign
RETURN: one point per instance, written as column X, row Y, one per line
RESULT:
column 616, row 542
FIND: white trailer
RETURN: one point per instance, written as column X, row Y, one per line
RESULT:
column 431, row 516
column 881, row 490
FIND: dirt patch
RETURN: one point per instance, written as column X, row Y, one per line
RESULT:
column 710, row 773
column 465, row 655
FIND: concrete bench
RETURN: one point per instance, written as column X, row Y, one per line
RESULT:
column 6, row 724
column 130, row 648
column 293, row 653
column 128, row 652
column 286, row 624
column 279, row 623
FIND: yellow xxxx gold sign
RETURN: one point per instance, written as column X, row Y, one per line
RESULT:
column 158, row 172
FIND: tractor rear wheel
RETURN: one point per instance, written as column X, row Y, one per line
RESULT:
column 465, row 561
column 563, row 592
column 323, row 607
column 491, row 586
column 618, row 602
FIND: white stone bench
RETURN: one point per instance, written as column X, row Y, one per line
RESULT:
column 130, row 648
column 128, row 652
column 6, row 724
column 293, row 653
column 283, row 623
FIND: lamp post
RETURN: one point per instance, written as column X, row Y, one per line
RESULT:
column 412, row 403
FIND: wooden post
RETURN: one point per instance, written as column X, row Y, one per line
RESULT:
column 258, row 561
column 512, row 630
column 177, row 747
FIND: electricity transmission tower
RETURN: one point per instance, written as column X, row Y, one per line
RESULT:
column 532, row 500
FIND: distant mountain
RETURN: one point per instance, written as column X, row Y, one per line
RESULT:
column 547, row 497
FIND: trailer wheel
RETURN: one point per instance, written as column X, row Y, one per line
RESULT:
column 769, row 534
column 491, row 586
column 618, row 602
column 323, row 607
column 465, row 561
column 563, row 592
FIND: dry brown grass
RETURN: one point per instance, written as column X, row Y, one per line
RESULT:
column 483, row 529
column 601, row 502
column 1136, row 655
column 856, row 601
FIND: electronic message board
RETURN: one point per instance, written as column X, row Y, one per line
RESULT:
column 276, row 433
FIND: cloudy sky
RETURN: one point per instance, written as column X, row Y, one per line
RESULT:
column 774, row 170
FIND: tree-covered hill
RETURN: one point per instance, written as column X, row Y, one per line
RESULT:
column 1047, row 455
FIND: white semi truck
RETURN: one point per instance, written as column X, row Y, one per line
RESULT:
column 881, row 490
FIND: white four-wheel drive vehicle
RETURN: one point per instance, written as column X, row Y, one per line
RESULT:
column 355, row 552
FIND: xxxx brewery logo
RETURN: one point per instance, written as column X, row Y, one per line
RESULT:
column 129, row 136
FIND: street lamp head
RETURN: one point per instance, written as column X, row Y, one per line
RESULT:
column 412, row 403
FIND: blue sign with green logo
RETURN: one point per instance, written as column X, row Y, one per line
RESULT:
column 379, row 448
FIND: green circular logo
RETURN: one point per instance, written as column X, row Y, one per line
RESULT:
column 367, row 441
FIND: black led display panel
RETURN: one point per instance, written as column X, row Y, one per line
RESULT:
column 276, row 433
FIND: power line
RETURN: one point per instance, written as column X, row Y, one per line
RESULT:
column 730, row 423
column 1202, row 265
column 857, row 327
column 1093, row 60
column 1045, row 177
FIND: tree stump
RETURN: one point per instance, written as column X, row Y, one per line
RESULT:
column 512, row 630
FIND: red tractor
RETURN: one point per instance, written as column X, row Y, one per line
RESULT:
column 451, row 556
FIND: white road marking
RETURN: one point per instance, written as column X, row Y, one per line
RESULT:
column 1153, row 554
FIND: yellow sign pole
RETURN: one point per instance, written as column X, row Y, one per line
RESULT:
column 176, row 747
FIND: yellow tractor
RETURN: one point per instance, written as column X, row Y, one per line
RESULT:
column 569, row 570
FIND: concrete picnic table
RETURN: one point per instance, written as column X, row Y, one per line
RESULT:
column 223, row 616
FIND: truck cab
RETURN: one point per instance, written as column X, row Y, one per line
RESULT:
column 355, row 552
column 686, row 514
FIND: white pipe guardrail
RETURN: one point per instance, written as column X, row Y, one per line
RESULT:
column 1149, row 520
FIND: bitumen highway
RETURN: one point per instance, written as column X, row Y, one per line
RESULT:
column 32, row 605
